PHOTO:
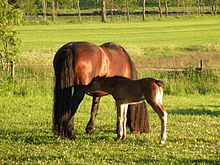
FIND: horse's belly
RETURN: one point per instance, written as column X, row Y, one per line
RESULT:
column 97, row 93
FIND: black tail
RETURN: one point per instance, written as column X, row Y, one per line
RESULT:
column 137, row 116
column 160, row 83
column 64, row 80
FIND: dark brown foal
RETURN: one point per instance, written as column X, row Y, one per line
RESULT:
column 126, row 91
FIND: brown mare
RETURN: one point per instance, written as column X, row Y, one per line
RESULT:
column 126, row 91
column 76, row 64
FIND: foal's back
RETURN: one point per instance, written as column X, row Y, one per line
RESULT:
column 132, row 91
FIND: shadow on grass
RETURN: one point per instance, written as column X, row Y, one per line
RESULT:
column 177, row 161
column 35, row 137
column 195, row 112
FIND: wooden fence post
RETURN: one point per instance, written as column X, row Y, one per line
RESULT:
column 201, row 65
column 12, row 69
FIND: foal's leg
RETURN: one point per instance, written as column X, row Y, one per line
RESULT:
column 120, row 121
column 125, row 106
column 159, row 109
column 94, row 112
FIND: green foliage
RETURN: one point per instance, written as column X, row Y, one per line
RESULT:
column 8, row 15
column 29, row 7
column 9, row 42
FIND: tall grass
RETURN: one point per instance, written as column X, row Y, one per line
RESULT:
column 38, row 80
column 188, row 82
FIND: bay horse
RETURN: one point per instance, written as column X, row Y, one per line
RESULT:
column 76, row 64
column 126, row 91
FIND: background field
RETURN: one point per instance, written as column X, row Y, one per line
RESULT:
column 174, row 32
column 191, row 97
column 170, row 42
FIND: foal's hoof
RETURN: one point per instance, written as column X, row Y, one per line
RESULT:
column 117, row 139
column 162, row 141
column 123, row 137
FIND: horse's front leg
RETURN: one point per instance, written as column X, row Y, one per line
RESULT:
column 78, row 95
column 121, row 121
column 94, row 112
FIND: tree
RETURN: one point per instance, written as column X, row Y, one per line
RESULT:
column 57, row 6
column 159, row 7
column 127, row 5
column 143, row 9
column 214, row 4
column 103, row 11
column 9, row 42
column 166, row 7
column 54, row 10
column 28, row 7
column 79, row 11
column 199, row 6
column 44, row 8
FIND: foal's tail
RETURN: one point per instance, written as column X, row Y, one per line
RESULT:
column 160, row 83
column 64, row 80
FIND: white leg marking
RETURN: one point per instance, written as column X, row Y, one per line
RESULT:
column 125, row 106
column 164, row 128
column 121, row 121
column 159, row 96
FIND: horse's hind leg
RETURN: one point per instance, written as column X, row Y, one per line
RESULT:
column 159, row 109
column 94, row 112
column 78, row 95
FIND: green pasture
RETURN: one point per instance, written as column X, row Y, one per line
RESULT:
column 193, row 134
column 174, row 42
column 170, row 32
column 191, row 97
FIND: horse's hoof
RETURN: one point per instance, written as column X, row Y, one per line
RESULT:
column 71, row 137
column 89, row 132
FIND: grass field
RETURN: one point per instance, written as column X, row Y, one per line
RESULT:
column 191, row 98
column 171, row 42
column 172, row 32
column 193, row 134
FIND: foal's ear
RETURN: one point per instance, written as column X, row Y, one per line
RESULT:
column 99, row 77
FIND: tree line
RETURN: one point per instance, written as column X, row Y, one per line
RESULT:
column 104, row 7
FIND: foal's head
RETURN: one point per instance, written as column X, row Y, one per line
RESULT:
column 105, row 84
column 97, row 84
